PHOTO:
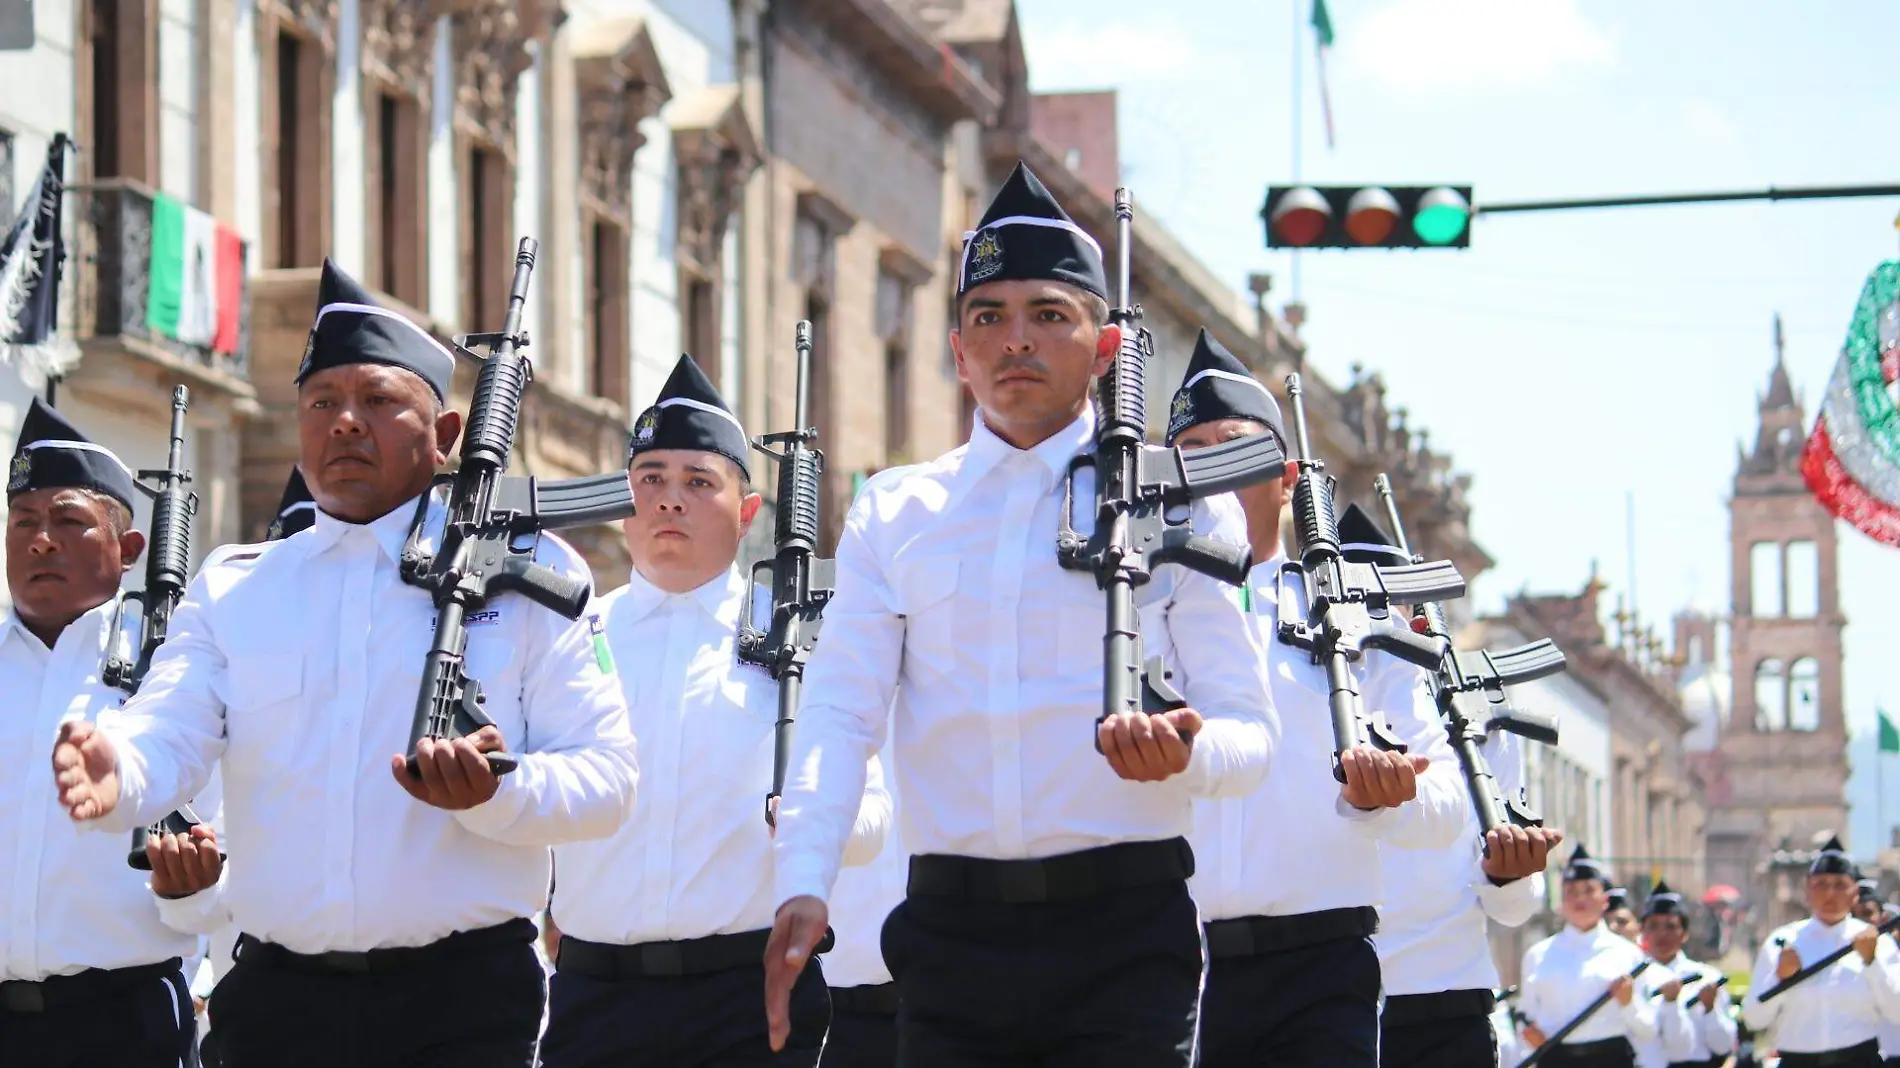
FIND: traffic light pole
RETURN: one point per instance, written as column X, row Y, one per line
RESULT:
column 1823, row 192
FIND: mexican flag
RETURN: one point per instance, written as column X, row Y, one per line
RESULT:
column 1322, row 44
column 197, row 277
column 1852, row 460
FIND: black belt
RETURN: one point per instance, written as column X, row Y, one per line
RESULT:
column 1867, row 1052
column 1254, row 936
column 1580, row 1051
column 1406, row 1010
column 690, row 956
column 1102, row 870
column 880, row 1000
column 393, row 959
column 59, row 991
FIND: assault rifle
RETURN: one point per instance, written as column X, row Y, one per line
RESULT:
column 1142, row 494
column 167, row 572
column 487, row 540
column 1809, row 971
column 1348, row 605
column 799, row 582
column 1578, row 1020
column 1469, row 690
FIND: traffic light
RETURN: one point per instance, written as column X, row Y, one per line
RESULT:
column 1368, row 216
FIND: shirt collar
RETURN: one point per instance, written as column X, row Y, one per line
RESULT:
column 987, row 449
column 92, row 625
column 390, row 531
column 719, row 597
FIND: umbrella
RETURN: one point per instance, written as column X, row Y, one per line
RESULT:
column 1721, row 894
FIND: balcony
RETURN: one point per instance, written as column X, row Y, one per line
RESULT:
column 124, row 352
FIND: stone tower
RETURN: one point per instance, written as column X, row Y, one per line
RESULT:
column 1781, row 759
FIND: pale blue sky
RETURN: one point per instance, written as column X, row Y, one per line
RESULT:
column 1565, row 359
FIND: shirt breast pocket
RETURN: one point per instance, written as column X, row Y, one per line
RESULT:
column 925, row 590
column 1083, row 623
column 262, row 716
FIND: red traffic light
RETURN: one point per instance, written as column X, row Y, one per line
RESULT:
column 1371, row 216
column 1301, row 217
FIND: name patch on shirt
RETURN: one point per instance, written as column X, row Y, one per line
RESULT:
column 488, row 617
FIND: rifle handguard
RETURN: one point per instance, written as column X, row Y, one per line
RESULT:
column 543, row 585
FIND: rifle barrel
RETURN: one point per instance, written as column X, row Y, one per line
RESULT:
column 1811, row 970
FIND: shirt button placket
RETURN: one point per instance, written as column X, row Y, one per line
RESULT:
column 346, row 732
column 666, row 801
column 1006, row 594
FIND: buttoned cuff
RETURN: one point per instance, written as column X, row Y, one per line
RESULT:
column 494, row 817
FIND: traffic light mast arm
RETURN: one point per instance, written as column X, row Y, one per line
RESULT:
column 1816, row 192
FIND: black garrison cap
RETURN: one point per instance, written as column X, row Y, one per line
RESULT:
column 52, row 454
column 1833, row 860
column 296, row 511
column 1218, row 386
column 1025, row 234
column 1363, row 540
column 352, row 328
column 690, row 414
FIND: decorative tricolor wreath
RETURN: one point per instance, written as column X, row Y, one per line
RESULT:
column 1852, row 460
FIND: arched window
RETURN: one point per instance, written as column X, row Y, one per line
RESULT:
column 1771, row 697
column 1764, row 572
column 1804, row 695
column 1804, row 580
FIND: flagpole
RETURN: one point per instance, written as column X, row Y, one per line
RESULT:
column 1298, row 86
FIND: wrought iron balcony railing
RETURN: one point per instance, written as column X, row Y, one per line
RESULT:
column 110, row 270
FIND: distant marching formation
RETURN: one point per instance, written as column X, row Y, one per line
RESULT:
column 1086, row 769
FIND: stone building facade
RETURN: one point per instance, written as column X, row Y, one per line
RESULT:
column 132, row 82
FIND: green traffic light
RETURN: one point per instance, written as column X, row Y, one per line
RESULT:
column 1441, row 217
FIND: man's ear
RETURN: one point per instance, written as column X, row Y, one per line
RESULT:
column 956, row 352
column 448, row 427
column 1107, row 346
column 748, row 511
column 131, row 547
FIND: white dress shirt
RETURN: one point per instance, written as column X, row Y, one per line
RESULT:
column 947, row 582
column 860, row 903
column 1510, row 1048
column 298, row 662
column 68, row 899
column 1700, row 1034
column 1434, row 936
column 1837, row 1009
column 1674, row 1037
column 696, row 857
column 1564, row 973
column 1241, row 844
column 1889, row 1038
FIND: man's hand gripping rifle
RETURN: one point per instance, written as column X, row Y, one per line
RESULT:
column 800, row 582
column 1142, row 498
column 486, row 544
column 1348, row 605
column 1469, row 690
column 167, row 571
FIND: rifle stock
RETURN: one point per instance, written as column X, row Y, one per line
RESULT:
column 1469, row 691
column 490, row 531
column 799, row 582
column 1141, row 496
